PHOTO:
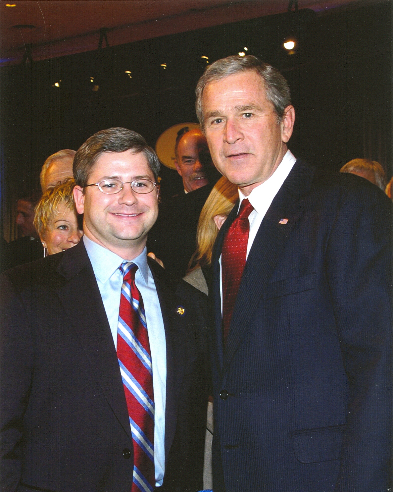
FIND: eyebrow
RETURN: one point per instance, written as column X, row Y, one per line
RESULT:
column 61, row 220
column 143, row 176
column 239, row 109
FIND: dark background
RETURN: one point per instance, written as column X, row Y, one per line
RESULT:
column 340, row 80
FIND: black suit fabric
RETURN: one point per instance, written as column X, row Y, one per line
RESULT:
column 302, row 390
column 173, row 237
column 65, row 423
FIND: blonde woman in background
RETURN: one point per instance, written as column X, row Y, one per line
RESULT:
column 56, row 219
column 215, row 211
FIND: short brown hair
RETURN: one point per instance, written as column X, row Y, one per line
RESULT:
column 111, row 140
column 277, row 89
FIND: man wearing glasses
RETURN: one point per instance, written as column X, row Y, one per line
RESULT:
column 103, row 385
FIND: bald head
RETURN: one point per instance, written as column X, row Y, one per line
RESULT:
column 193, row 159
column 57, row 168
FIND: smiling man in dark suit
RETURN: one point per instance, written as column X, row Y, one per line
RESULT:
column 69, row 406
column 301, row 366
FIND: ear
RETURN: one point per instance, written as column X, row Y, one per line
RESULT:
column 178, row 168
column 219, row 220
column 287, row 123
column 79, row 199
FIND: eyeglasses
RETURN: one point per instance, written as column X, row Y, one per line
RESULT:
column 111, row 186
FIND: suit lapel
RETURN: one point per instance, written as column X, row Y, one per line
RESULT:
column 215, row 298
column 82, row 302
column 282, row 216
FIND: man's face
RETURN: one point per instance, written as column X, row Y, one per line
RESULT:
column 246, row 141
column 24, row 219
column 193, row 159
column 119, row 222
column 58, row 172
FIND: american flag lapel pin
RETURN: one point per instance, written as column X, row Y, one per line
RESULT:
column 283, row 221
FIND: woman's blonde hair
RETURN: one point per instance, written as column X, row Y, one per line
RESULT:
column 221, row 200
column 47, row 207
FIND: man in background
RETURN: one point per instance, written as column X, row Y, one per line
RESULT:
column 173, row 238
column 192, row 159
column 27, row 247
column 301, row 303
column 57, row 168
column 367, row 169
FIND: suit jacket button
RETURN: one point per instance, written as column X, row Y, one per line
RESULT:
column 126, row 454
column 224, row 394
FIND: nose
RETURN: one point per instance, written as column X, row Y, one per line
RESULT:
column 19, row 219
column 232, row 131
column 198, row 166
column 127, row 195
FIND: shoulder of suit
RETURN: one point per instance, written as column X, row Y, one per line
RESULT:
column 37, row 272
column 178, row 287
column 339, row 184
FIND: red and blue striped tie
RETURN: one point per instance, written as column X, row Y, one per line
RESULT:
column 133, row 352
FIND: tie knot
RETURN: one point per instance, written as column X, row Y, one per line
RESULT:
column 128, row 269
column 245, row 209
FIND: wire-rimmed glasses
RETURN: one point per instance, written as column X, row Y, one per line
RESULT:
column 111, row 186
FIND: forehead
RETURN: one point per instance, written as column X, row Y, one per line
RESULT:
column 58, row 171
column 192, row 141
column 125, row 164
column 24, row 206
column 242, row 87
column 63, row 210
column 60, row 167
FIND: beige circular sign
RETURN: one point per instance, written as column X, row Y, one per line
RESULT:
column 165, row 145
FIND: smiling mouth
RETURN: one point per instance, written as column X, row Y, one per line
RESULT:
column 127, row 215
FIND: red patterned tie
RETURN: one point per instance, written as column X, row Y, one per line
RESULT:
column 133, row 352
column 233, row 260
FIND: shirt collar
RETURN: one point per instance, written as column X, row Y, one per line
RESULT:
column 105, row 262
column 266, row 191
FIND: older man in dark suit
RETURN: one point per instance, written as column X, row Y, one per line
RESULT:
column 102, row 365
column 301, row 346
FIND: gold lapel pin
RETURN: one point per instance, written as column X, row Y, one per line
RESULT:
column 180, row 310
column 283, row 221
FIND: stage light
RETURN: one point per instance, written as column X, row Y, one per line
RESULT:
column 289, row 44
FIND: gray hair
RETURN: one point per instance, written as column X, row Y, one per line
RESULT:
column 277, row 89
column 111, row 140
column 57, row 156
column 367, row 165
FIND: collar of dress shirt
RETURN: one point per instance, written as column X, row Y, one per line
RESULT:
column 105, row 262
column 262, row 196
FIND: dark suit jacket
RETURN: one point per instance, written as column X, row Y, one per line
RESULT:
column 64, row 417
column 302, row 391
column 173, row 236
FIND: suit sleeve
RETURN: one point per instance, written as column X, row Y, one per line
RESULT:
column 359, row 272
column 16, row 355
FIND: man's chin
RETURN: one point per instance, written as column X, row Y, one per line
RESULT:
column 198, row 183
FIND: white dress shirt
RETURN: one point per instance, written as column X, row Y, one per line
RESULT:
column 262, row 196
column 109, row 278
